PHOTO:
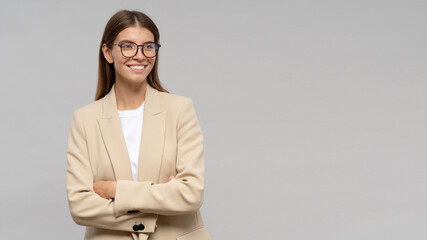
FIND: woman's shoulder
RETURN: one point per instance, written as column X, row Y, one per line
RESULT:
column 173, row 102
column 91, row 110
column 173, row 98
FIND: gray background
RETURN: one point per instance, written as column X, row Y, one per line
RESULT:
column 313, row 112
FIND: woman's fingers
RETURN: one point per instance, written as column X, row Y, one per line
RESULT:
column 105, row 189
column 98, row 188
column 171, row 178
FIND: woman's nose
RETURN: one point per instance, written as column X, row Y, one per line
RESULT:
column 139, row 53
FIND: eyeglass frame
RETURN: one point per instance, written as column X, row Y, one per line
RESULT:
column 157, row 46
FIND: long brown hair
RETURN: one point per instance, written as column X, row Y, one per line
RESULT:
column 117, row 23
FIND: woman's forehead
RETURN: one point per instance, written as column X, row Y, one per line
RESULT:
column 135, row 34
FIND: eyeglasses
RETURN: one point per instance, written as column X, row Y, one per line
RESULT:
column 130, row 49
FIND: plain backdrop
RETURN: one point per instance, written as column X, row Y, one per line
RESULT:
column 314, row 112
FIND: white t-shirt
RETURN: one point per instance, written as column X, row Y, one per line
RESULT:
column 131, row 122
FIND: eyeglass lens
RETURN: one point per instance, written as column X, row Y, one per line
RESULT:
column 131, row 49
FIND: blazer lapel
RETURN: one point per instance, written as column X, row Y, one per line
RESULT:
column 152, row 139
column 153, row 136
column 112, row 135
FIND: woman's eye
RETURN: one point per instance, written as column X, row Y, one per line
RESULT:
column 127, row 46
column 149, row 46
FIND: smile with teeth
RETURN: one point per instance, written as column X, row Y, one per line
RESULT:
column 137, row 67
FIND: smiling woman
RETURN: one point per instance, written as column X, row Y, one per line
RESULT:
column 132, row 27
column 125, row 55
column 135, row 155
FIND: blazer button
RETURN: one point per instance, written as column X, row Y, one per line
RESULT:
column 141, row 227
column 135, row 227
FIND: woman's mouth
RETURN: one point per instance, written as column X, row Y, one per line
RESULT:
column 137, row 68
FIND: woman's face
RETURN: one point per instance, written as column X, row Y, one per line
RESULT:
column 134, row 69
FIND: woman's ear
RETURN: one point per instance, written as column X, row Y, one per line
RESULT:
column 107, row 53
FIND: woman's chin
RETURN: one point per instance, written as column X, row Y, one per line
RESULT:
column 131, row 81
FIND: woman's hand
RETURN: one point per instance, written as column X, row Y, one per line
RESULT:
column 171, row 178
column 105, row 189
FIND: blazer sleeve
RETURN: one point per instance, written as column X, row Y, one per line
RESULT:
column 88, row 208
column 181, row 195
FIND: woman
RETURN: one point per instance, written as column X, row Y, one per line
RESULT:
column 135, row 155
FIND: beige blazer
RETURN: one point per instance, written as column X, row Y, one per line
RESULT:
column 153, row 208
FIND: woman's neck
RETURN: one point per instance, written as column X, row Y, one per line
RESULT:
column 129, row 96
